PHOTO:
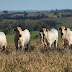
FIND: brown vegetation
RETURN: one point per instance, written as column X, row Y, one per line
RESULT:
column 37, row 60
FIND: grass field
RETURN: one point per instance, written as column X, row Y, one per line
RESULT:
column 34, row 37
column 37, row 59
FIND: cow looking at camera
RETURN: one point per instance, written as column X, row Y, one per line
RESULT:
column 22, row 38
column 63, row 34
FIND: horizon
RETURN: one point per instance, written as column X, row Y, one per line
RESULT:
column 15, row 5
column 34, row 10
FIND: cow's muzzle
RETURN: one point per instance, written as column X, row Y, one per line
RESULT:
column 20, row 35
column 61, row 33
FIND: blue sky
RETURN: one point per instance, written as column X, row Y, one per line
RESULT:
column 35, row 4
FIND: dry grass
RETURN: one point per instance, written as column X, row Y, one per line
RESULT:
column 37, row 60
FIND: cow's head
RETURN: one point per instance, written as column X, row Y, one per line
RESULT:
column 62, row 30
column 45, row 32
column 18, row 31
column 41, row 35
column 67, row 30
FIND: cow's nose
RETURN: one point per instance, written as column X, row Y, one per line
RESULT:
column 41, row 37
column 61, row 33
column 20, row 35
column 45, row 45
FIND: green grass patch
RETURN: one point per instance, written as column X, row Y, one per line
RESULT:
column 10, row 38
column 35, row 36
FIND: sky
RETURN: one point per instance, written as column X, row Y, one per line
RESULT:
column 35, row 4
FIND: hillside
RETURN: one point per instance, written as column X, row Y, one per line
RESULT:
column 34, row 21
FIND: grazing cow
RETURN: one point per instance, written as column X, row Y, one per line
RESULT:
column 51, row 36
column 3, row 41
column 63, row 34
column 43, row 39
column 22, row 38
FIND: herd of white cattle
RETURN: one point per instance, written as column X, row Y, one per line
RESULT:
column 47, row 37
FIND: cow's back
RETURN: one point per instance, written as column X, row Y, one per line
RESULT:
column 54, row 32
column 26, row 36
column 53, row 35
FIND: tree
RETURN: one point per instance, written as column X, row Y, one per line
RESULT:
column 5, row 11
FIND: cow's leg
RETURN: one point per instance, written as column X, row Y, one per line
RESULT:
column 22, row 44
column 16, row 47
column 16, row 44
column 22, row 47
column 62, row 42
column 50, row 45
column 28, row 46
column 69, row 45
column 55, row 44
column 4, row 48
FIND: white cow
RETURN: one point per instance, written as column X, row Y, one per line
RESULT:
column 22, row 38
column 52, row 36
column 3, row 41
column 68, row 36
column 63, row 34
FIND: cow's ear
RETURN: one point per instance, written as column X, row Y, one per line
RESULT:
column 23, row 29
column 59, row 28
column 66, row 29
column 14, row 29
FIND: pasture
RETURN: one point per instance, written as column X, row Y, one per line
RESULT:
column 38, row 59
